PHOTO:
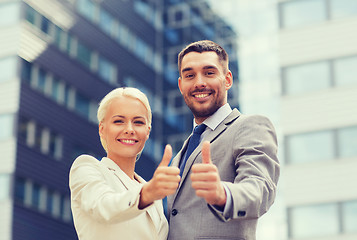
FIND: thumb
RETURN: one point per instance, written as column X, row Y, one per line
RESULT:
column 167, row 156
column 206, row 154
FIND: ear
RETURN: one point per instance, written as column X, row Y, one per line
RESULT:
column 179, row 84
column 148, row 133
column 228, row 80
column 101, row 129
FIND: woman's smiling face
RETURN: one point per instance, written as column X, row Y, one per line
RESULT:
column 125, row 128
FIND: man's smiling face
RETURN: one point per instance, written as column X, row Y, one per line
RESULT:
column 204, row 83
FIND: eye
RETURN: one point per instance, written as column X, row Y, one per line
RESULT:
column 209, row 73
column 139, row 122
column 189, row 75
column 118, row 121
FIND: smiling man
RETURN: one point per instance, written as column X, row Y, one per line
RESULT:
column 229, row 180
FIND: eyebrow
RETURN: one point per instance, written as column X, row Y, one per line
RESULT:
column 205, row 68
column 209, row 67
column 125, row 117
column 186, row 69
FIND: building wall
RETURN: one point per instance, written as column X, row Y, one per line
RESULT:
column 269, row 48
column 9, row 105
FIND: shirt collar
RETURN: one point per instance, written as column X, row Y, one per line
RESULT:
column 214, row 120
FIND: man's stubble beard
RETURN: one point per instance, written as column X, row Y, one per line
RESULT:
column 207, row 112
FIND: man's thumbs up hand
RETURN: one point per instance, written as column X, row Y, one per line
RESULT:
column 163, row 183
column 206, row 180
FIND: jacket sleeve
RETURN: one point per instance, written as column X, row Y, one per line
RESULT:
column 92, row 195
column 257, row 169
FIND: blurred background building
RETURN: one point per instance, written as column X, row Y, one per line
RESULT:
column 298, row 65
column 58, row 58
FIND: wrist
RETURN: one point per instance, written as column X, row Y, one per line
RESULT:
column 144, row 200
column 222, row 199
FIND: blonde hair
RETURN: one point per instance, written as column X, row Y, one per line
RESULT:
column 117, row 93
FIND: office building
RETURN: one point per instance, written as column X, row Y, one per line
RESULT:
column 58, row 58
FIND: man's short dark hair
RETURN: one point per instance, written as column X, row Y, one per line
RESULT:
column 204, row 46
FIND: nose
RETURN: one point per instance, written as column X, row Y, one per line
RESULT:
column 129, row 128
column 200, row 81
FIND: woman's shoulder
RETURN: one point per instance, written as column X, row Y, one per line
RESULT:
column 85, row 159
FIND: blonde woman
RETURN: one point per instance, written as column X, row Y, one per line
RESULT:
column 108, row 199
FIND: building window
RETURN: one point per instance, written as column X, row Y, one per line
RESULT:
column 45, row 25
column 55, row 146
column 41, row 81
column 31, row 15
column 310, row 147
column 7, row 68
column 107, row 70
column 5, row 186
column 40, row 138
column 148, row 12
column 345, row 70
column 20, row 190
column 6, row 126
column 343, row 8
column 88, row 8
column 26, row 71
column 68, row 43
column 63, row 94
column 313, row 11
column 9, row 13
column 82, row 105
column 23, row 129
column 323, row 218
column 57, row 90
column 84, row 55
column 106, row 22
column 65, row 208
column 178, row 15
column 316, row 76
column 35, row 195
column 42, row 199
column 49, row 202
column 306, row 78
column 321, row 145
column 347, row 142
column 173, row 35
column 349, row 214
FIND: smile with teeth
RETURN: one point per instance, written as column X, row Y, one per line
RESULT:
column 127, row 141
column 201, row 95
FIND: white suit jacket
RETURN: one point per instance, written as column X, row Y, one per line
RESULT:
column 104, row 202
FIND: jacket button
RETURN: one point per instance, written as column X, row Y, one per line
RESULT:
column 241, row 213
column 174, row 212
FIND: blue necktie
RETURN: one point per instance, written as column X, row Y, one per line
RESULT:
column 192, row 144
